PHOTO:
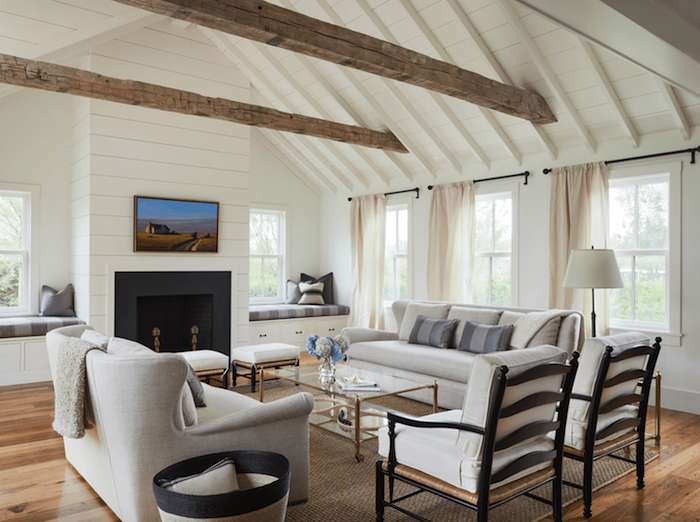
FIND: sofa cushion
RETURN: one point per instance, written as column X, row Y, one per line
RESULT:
column 95, row 337
column 479, row 338
column 126, row 348
column 432, row 332
column 413, row 310
column 509, row 317
column 195, row 387
column 547, row 334
column 447, row 364
column 189, row 408
column 475, row 315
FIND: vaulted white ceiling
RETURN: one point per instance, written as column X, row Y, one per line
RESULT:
column 596, row 95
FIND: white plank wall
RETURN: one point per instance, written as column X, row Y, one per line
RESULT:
column 121, row 151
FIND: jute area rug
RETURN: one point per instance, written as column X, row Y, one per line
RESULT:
column 343, row 490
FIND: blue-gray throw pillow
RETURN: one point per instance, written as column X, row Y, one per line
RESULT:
column 479, row 338
column 432, row 332
column 57, row 304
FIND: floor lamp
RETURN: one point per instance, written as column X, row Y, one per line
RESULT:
column 593, row 269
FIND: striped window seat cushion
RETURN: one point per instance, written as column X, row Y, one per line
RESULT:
column 293, row 311
column 29, row 326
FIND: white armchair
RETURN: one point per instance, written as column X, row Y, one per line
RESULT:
column 144, row 421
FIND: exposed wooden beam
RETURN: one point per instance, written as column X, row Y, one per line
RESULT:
column 498, row 71
column 274, row 25
column 547, row 73
column 58, row 78
column 674, row 108
column 610, row 94
column 67, row 44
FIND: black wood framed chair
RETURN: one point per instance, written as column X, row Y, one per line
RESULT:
column 609, row 404
column 513, row 400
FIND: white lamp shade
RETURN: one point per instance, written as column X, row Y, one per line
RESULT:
column 593, row 269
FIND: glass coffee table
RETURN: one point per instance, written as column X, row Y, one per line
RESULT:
column 348, row 414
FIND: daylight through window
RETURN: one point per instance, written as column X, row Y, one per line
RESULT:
column 14, row 251
column 491, row 279
column 639, row 234
column 266, row 255
column 396, row 260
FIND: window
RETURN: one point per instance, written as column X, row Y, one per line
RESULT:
column 492, row 276
column 396, row 248
column 267, row 255
column 14, row 252
column 639, row 234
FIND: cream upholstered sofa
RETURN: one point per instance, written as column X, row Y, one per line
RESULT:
column 390, row 355
column 144, row 420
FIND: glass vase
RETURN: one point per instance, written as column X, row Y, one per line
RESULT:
column 326, row 373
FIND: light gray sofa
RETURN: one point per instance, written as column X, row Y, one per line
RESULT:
column 145, row 420
column 389, row 353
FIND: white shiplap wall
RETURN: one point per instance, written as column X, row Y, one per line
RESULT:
column 120, row 151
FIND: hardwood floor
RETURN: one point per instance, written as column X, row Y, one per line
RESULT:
column 37, row 484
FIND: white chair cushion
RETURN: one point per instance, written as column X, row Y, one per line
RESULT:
column 433, row 451
column 265, row 353
column 575, row 435
column 478, row 397
column 589, row 363
column 202, row 360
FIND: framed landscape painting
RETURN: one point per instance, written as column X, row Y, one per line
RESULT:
column 175, row 225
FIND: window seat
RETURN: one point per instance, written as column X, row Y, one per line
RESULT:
column 293, row 311
column 31, row 326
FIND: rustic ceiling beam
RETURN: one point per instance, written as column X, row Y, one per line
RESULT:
column 59, row 78
column 274, row 25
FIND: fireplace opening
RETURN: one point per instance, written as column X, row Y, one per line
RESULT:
column 174, row 302
column 174, row 316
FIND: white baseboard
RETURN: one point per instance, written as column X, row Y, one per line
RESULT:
column 679, row 400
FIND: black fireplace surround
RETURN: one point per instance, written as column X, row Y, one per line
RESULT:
column 174, row 302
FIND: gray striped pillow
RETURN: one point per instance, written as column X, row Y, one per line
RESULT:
column 432, row 332
column 479, row 338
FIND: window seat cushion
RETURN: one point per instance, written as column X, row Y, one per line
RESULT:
column 293, row 311
column 29, row 326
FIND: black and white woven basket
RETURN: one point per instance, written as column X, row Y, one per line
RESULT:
column 266, row 502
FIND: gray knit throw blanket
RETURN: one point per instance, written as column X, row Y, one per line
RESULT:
column 69, row 387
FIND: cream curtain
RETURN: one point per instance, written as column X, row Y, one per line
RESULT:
column 367, row 237
column 578, row 218
column 451, row 242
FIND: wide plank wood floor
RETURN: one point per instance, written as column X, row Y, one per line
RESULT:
column 38, row 484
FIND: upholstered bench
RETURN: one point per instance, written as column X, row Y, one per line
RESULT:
column 257, row 356
column 209, row 363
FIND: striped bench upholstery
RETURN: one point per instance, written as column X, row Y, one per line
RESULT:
column 293, row 311
column 30, row 326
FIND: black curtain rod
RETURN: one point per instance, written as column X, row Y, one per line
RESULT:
column 416, row 190
column 659, row 155
column 520, row 175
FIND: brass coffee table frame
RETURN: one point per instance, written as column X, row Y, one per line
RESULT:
column 337, row 399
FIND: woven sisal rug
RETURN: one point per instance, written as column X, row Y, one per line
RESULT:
column 342, row 489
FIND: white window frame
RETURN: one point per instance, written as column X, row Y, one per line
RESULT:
column 30, row 251
column 671, row 332
column 493, row 191
column 407, row 204
column 284, row 212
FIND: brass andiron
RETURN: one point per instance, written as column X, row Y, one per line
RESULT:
column 156, row 339
column 194, row 331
